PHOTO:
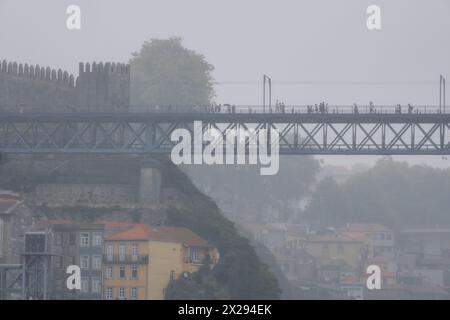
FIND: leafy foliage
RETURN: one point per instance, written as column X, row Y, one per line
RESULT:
column 391, row 193
column 166, row 73
column 239, row 272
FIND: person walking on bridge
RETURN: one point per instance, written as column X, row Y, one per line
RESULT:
column 371, row 107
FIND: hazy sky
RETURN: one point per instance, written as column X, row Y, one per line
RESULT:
column 290, row 40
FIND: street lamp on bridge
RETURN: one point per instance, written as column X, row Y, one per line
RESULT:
column 441, row 93
column 269, row 82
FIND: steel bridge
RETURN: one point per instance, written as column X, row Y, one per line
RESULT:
column 302, row 131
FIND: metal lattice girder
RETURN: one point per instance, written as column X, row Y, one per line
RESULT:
column 132, row 133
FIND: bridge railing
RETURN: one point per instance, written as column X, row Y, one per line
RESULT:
column 228, row 108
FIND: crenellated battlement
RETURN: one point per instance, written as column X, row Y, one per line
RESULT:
column 111, row 68
column 37, row 72
column 98, row 87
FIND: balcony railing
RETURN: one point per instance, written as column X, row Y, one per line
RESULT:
column 200, row 261
column 125, row 259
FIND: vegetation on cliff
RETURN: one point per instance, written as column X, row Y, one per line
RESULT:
column 240, row 274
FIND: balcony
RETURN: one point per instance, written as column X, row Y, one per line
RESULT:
column 125, row 259
column 201, row 261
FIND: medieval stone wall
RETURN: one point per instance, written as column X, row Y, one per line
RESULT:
column 29, row 88
column 94, row 195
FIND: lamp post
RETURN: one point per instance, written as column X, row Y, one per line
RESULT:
column 269, row 81
column 440, row 93
column 442, row 88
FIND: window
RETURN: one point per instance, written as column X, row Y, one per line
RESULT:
column 84, row 285
column 133, row 293
column 84, row 262
column 121, row 293
column 134, row 251
column 108, row 272
column 72, row 239
column 194, row 254
column 388, row 236
column 134, row 272
column 122, row 272
column 122, row 252
column 340, row 249
column 97, row 239
column 172, row 275
column 58, row 262
column 96, row 285
column 383, row 236
column 109, row 252
column 84, row 240
column 58, row 239
column 109, row 293
column 97, row 262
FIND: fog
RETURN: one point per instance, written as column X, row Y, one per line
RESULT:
column 313, row 50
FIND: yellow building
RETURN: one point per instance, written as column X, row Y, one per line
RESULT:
column 336, row 249
column 140, row 261
column 380, row 239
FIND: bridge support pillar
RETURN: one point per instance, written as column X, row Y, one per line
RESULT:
column 150, row 182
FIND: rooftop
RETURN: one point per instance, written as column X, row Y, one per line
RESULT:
column 333, row 238
column 366, row 227
column 8, row 204
column 165, row 234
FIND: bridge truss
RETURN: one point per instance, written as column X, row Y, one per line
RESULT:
column 150, row 134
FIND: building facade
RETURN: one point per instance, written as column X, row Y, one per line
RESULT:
column 139, row 262
column 78, row 244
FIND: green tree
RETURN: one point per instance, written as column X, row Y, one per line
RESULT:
column 392, row 193
column 165, row 73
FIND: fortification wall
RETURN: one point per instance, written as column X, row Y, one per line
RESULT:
column 73, row 194
column 103, row 87
column 29, row 88
column 26, row 88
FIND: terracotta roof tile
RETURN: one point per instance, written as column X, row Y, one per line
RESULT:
column 169, row 234
column 110, row 224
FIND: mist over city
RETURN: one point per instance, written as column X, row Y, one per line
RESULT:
column 224, row 151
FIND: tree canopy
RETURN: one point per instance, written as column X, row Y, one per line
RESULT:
column 391, row 193
column 165, row 73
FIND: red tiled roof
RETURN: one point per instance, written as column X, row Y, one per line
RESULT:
column 138, row 232
column 357, row 235
column 8, row 195
column 109, row 224
column 169, row 234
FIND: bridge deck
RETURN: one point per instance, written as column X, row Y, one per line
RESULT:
column 300, row 133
